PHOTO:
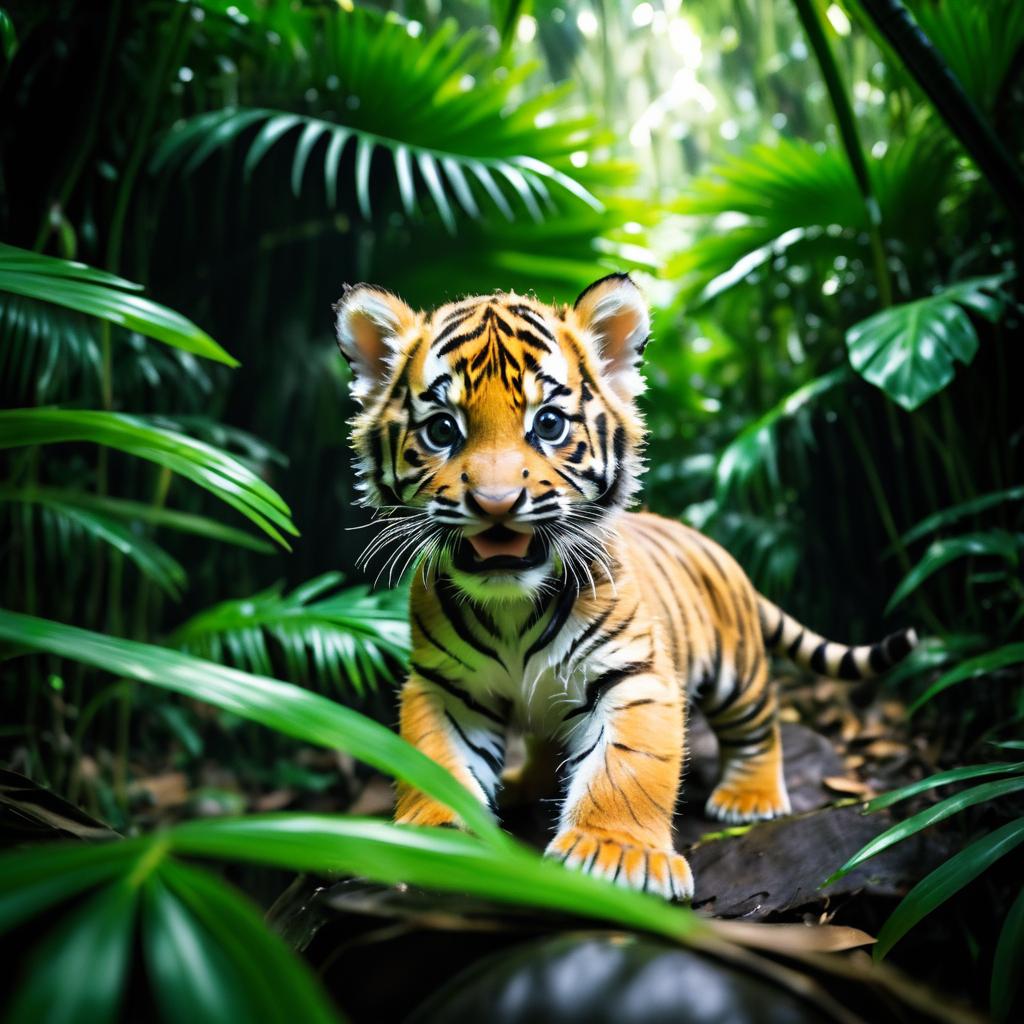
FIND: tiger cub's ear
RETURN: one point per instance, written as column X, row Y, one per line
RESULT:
column 614, row 314
column 370, row 323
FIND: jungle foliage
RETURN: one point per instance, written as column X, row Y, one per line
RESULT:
column 826, row 205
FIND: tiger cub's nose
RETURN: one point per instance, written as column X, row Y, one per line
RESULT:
column 495, row 503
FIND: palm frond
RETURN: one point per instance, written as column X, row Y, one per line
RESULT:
column 100, row 294
column 353, row 638
column 434, row 110
column 224, row 476
column 792, row 194
column 66, row 527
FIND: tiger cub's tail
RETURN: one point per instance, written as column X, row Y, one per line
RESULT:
column 784, row 635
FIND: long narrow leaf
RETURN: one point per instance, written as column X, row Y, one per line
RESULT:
column 76, row 286
column 926, row 818
column 946, row 881
column 973, row 668
column 1006, row 965
column 973, row 771
column 210, row 468
column 281, row 706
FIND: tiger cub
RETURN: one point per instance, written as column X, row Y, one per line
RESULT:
column 502, row 440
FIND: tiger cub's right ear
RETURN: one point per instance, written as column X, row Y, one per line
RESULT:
column 370, row 323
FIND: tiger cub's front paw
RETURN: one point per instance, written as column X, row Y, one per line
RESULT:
column 739, row 804
column 616, row 858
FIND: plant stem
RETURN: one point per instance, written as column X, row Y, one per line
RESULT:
column 847, row 126
column 1003, row 173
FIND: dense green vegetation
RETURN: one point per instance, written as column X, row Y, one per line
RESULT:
column 825, row 204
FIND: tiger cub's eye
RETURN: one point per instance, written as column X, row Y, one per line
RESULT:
column 550, row 425
column 441, row 432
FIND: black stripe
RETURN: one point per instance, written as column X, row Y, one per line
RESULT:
column 771, row 642
column 795, row 646
column 434, row 642
column 460, row 339
column 733, row 696
column 563, row 606
column 598, row 687
column 818, row 663
column 748, row 716
column 588, row 632
column 452, row 613
column 586, row 753
column 878, row 659
column 448, row 686
column 485, row 755
column 531, row 339
column 898, row 645
column 745, row 741
column 848, row 667
column 572, row 483
column 612, row 634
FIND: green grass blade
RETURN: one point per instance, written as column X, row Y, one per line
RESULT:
column 983, row 664
column 946, row 881
column 940, row 553
column 973, row 771
column 280, row 706
column 1006, row 965
column 954, row 513
column 931, row 816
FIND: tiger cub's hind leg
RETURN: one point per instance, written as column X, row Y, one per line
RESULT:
column 752, row 786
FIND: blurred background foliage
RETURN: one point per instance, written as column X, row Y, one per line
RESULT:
column 830, row 243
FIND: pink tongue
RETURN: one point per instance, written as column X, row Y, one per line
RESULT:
column 517, row 545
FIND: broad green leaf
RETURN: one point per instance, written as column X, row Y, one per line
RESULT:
column 983, row 664
column 278, row 986
column 910, row 350
column 1006, row 965
column 80, row 971
column 76, row 286
column 8, row 36
column 435, row 858
column 926, row 818
column 281, row 706
column 946, row 881
column 940, row 553
column 973, row 771
column 221, row 474
column 954, row 513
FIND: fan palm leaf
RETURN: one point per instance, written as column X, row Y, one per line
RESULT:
column 453, row 129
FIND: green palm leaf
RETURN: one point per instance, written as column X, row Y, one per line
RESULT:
column 106, row 296
column 351, row 637
column 281, row 706
column 946, row 881
column 432, row 107
column 65, row 524
column 224, row 476
column 793, row 196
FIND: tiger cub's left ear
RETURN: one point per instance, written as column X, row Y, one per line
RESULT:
column 370, row 323
column 614, row 314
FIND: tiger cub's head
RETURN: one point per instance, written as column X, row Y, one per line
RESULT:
column 502, row 433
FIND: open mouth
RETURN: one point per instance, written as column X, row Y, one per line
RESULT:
column 499, row 549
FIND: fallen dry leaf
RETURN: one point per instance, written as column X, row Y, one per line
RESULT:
column 887, row 748
column 841, row 784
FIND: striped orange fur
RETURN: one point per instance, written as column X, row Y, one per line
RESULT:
column 501, row 440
